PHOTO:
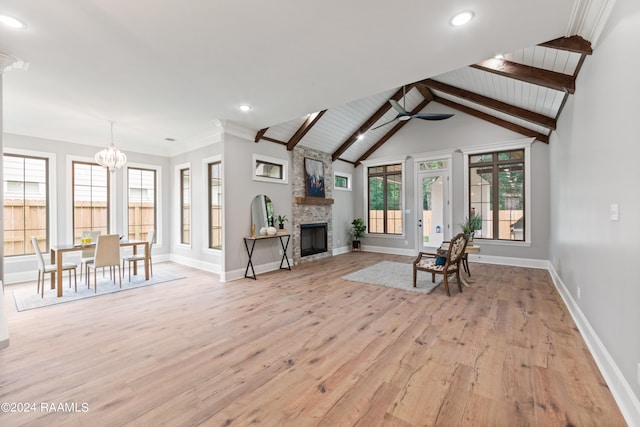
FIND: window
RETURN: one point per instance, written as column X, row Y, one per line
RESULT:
column 90, row 187
column 215, row 205
column 497, row 194
column 269, row 169
column 141, row 202
column 342, row 181
column 26, row 203
column 185, row 206
column 385, row 199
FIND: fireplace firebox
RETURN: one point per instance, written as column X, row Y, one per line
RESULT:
column 313, row 239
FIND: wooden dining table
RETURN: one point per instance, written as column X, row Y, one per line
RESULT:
column 58, row 251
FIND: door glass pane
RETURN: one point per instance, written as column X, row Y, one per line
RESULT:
column 511, row 199
column 433, row 210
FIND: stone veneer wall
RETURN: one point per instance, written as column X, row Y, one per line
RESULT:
column 310, row 213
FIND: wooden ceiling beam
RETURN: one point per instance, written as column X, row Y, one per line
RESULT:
column 520, row 113
column 392, row 132
column 277, row 141
column 525, row 73
column 370, row 122
column 260, row 134
column 495, row 120
column 575, row 44
column 310, row 121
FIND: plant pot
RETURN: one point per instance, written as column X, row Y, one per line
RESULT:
column 356, row 245
column 281, row 226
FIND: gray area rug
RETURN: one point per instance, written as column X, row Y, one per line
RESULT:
column 26, row 298
column 395, row 275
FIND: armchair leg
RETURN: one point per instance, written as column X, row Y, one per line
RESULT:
column 458, row 280
column 414, row 276
column 446, row 284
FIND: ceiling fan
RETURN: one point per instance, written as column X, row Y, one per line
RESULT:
column 404, row 115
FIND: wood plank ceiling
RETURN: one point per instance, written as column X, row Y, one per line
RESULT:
column 524, row 91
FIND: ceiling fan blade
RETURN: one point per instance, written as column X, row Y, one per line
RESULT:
column 431, row 116
column 396, row 106
column 386, row 123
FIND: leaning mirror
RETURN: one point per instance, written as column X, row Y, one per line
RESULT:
column 261, row 212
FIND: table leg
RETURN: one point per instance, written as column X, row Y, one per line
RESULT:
column 135, row 264
column 146, row 260
column 284, row 253
column 59, row 272
column 250, row 263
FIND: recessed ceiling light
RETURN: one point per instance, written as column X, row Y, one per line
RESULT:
column 245, row 108
column 360, row 137
column 461, row 18
column 12, row 22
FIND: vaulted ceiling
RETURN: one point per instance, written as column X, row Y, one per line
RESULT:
column 171, row 75
column 523, row 91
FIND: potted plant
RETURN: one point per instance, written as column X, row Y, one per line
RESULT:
column 281, row 220
column 358, row 231
column 470, row 225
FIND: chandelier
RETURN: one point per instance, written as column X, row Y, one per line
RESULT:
column 111, row 158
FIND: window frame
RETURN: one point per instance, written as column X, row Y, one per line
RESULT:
column 397, row 160
column 157, row 199
column 259, row 158
column 181, row 205
column 210, row 225
column 347, row 176
column 522, row 144
column 51, row 232
column 110, row 189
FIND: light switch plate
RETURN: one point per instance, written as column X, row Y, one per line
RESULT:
column 614, row 211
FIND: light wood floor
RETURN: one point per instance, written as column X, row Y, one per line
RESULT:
column 306, row 348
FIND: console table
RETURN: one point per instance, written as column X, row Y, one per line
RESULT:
column 253, row 240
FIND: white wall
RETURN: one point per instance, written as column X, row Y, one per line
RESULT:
column 342, row 210
column 594, row 164
column 461, row 131
column 240, row 189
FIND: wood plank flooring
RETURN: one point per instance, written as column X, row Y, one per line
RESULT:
column 306, row 348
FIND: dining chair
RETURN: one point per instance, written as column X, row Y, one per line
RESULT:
column 445, row 264
column 140, row 257
column 44, row 268
column 89, row 254
column 107, row 255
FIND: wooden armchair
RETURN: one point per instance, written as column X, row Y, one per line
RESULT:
column 451, row 264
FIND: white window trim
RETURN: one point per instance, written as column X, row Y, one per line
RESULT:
column 205, row 197
column 125, row 201
column 524, row 144
column 283, row 163
column 51, row 198
column 178, row 205
column 112, row 196
column 365, row 180
column 429, row 157
column 348, row 177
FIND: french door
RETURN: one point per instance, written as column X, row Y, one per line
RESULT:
column 433, row 209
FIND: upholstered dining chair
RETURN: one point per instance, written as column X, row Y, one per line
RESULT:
column 139, row 257
column 445, row 264
column 107, row 255
column 44, row 268
column 89, row 254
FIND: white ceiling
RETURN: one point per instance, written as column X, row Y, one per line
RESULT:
column 174, row 69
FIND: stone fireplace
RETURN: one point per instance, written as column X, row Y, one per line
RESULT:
column 310, row 210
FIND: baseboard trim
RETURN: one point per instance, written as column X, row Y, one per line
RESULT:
column 259, row 269
column 386, row 250
column 620, row 389
column 513, row 262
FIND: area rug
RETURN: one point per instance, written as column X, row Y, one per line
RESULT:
column 26, row 298
column 395, row 275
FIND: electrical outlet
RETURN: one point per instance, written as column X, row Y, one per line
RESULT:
column 280, row 251
column 338, row 241
column 406, row 242
column 579, row 292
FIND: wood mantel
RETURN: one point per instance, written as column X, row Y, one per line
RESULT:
column 313, row 201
